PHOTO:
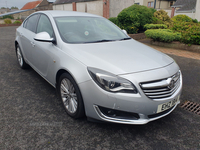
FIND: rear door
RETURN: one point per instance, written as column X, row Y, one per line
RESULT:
column 27, row 35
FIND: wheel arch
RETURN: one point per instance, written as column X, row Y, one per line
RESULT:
column 58, row 74
column 16, row 43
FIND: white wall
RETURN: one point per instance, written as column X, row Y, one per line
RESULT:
column 81, row 7
column 116, row 6
column 67, row 7
column 169, row 12
column 141, row 2
column 197, row 15
column 191, row 15
column 94, row 7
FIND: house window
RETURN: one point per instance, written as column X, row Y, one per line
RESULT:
column 137, row 3
column 150, row 4
column 171, row 3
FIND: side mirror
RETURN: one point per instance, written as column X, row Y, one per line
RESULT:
column 125, row 32
column 44, row 37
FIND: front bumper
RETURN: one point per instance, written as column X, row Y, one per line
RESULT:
column 141, row 120
column 94, row 97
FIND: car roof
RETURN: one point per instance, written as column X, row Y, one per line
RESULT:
column 58, row 13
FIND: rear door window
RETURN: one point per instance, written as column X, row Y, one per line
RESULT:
column 31, row 23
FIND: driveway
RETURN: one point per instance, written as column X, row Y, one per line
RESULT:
column 32, row 117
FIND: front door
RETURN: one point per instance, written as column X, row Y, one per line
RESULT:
column 42, row 53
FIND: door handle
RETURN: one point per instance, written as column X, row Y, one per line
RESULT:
column 21, row 34
column 33, row 44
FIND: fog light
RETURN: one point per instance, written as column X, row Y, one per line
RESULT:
column 118, row 114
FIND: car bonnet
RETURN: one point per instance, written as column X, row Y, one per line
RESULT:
column 119, row 57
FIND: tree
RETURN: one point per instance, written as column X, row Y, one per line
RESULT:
column 14, row 7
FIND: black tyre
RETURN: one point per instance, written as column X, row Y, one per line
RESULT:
column 20, row 58
column 70, row 95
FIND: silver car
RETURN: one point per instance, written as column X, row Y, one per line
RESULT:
column 97, row 69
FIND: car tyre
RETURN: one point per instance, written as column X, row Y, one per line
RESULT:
column 70, row 96
column 20, row 58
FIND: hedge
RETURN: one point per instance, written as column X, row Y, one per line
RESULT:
column 8, row 16
column 155, row 26
column 163, row 35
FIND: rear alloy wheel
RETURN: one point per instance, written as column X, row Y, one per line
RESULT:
column 70, row 96
column 20, row 58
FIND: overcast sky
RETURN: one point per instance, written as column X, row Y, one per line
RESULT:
column 16, row 3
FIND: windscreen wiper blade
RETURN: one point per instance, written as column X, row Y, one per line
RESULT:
column 128, row 38
column 104, row 40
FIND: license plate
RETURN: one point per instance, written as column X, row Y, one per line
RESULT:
column 165, row 106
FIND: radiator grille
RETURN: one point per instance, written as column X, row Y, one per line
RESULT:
column 163, row 88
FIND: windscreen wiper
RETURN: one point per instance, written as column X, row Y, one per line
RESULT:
column 104, row 40
column 128, row 38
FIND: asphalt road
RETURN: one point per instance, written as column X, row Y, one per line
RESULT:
column 31, row 116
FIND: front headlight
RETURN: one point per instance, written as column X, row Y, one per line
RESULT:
column 111, row 82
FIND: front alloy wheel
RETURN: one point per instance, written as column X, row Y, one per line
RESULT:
column 70, row 95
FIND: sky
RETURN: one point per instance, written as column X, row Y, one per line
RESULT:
column 16, row 3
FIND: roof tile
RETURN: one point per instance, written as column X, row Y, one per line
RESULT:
column 185, row 5
column 31, row 5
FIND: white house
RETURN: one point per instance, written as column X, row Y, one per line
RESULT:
column 105, row 8
column 157, row 4
column 190, row 8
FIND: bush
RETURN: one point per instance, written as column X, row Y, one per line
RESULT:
column 157, row 21
column 191, row 35
column 17, row 22
column 163, row 35
column 163, row 17
column 181, row 18
column 133, row 18
column 114, row 20
column 195, row 21
column 155, row 26
column 8, row 16
column 7, row 21
column 182, row 26
column 188, row 27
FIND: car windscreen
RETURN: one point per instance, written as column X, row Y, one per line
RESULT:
column 88, row 30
